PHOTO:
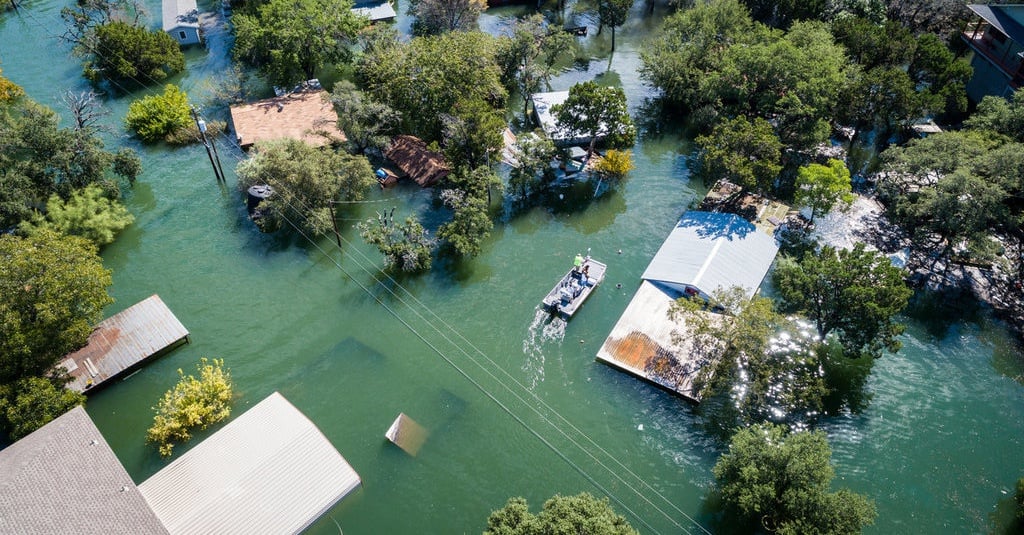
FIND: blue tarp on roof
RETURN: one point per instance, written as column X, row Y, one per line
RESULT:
column 709, row 250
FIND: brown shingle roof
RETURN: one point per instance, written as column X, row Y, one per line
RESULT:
column 64, row 478
column 306, row 115
column 412, row 156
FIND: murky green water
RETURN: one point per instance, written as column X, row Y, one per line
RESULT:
column 465, row 353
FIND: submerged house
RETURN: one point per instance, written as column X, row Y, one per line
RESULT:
column 268, row 471
column 306, row 114
column 181, row 21
column 543, row 114
column 704, row 252
column 416, row 161
column 996, row 40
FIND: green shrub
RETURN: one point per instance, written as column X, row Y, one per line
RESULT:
column 160, row 117
column 88, row 213
column 32, row 402
column 191, row 403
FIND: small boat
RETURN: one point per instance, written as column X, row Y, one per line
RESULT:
column 575, row 287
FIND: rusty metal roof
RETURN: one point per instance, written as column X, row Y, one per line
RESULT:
column 305, row 115
column 122, row 341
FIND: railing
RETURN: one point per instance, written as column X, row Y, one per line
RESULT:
column 987, row 48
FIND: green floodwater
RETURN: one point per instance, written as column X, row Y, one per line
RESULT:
column 938, row 446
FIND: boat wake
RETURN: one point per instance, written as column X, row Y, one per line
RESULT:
column 544, row 328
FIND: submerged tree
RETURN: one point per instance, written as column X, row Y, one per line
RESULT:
column 781, row 482
column 192, row 403
column 582, row 513
column 613, row 13
column 406, row 247
column 532, row 170
column 440, row 16
column 746, row 153
column 470, row 224
column 528, row 55
column 822, row 187
column 595, row 112
column 160, row 117
column 366, row 123
column 89, row 213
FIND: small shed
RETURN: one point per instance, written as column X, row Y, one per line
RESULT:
column 711, row 250
column 422, row 165
column 308, row 115
column 64, row 478
column 268, row 471
column 375, row 11
column 181, row 21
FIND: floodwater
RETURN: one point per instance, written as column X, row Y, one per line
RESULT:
column 514, row 403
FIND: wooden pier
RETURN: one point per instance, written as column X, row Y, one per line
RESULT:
column 122, row 342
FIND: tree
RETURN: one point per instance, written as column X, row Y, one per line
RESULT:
column 1000, row 115
column 417, row 79
column 853, row 293
column 782, row 13
column 822, row 187
column 596, row 112
column 89, row 213
column 470, row 224
column 746, row 153
column 32, row 402
column 289, row 40
column 8, row 89
column 871, row 45
column 406, row 247
column 613, row 13
column 306, row 181
column 85, row 108
column 940, row 76
column 159, row 117
column 532, row 170
column 781, row 482
column 471, row 132
column 192, row 403
column 441, row 16
column 882, row 98
column 528, row 55
column 365, row 122
column 582, row 513
column 132, row 55
column 615, row 164
column 52, row 291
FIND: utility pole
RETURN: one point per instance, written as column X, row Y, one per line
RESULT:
column 201, row 125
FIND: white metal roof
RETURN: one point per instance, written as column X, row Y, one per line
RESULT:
column 268, row 471
column 180, row 13
column 375, row 10
column 710, row 250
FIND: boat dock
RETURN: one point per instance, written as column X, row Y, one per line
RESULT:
column 122, row 342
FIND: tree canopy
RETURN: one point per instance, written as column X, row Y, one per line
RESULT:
column 132, row 55
column 289, row 40
column 52, row 292
column 780, row 481
column 32, row 402
column 366, row 123
column 527, row 56
column 746, row 153
column 853, row 293
column 566, row 515
column 596, row 111
column 88, row 213
column 406, row 246
column 159, row 117
column 822, row 187
column 441, row 16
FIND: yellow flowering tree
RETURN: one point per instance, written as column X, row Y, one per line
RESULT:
column 190, row 404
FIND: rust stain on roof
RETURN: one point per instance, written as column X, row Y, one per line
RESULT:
column 421, row 164
column 305, row 115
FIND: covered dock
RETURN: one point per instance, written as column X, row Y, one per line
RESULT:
column 268, row 471
column 122, row 342
column 307, row 114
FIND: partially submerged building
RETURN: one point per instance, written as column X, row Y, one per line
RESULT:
column 181, row 21
column 306, row 114
column 545, row 117
column 996, row 40
column 375, row 11
column 705, row 252
column 411, row 155
column 268, row 471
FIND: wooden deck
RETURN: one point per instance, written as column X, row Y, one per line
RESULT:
column 122, row 342
column 595, row 274
column 641, row 344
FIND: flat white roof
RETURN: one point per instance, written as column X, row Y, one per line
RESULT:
column 180, row 13
column 711, row 250
column 268, row 471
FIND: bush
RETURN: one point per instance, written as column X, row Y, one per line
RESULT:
column 615, row 164
column 143, row 56
column 160, row 117
column 88, row 213
column 406, row 247
column 191, row 403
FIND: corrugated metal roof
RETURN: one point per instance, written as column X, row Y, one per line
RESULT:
column 64, row 478
column 180, row 13
column 268, row 471
column 1006, row 18
column 375, row 10
column 710, row 250
column 123, row 341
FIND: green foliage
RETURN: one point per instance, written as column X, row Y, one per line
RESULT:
column 595, row 111
column 365, row 122
column 32, row 402
column 139, row 57
column 533, row 154
column 289, row 40
column 782, row 13
column 739, row 353
column 747, row 153
column 615, row 164
column 561, row 515
column 192, row 403
column 852, row 293
column 781, row 481
column 883, row 98
column 613, row 13
column 941, row 76
column 89, row 213
column 441, row 16
column 870, row 44
column 527, row 56
column 1019, row 498
column 822, row 187
column 470, row 224
column 426, row 78
column 306, row 180
column 997, row 114
column 52, row 291
column 471, row 132
column 159, row 117
column 406, row 247
column 9, row 90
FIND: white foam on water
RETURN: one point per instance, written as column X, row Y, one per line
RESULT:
column 544, row 328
